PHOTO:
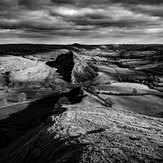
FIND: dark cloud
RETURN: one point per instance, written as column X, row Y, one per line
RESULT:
column 7, row 4
column 136, row 2
column 34, row 4
column 64, row 1
column 106, row 2
column 102, row 23
column 30, row 4
column 27, row 3
column 151, row 10
column 4, row 3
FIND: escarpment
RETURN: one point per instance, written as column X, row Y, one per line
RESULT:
column 73, row 68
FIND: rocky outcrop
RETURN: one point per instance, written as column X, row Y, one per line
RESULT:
column 88, row 74
column 73, row 68
column 83, row 71
column 64, row 64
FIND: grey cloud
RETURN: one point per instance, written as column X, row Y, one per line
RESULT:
column 155, row 2
column 106, row 2
column 64, row 1
column 30, row 4
column 7, row 4
column 34, row 4
column 81, row 19
column 156, row 11
column 110, row 23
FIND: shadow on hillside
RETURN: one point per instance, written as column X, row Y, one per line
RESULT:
column 64, row 149
column 31, row 115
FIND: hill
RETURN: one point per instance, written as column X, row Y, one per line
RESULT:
column 85, row 103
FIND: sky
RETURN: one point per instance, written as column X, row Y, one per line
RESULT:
column 81, row 21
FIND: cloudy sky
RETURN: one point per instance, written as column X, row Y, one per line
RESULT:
column 81, row 21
